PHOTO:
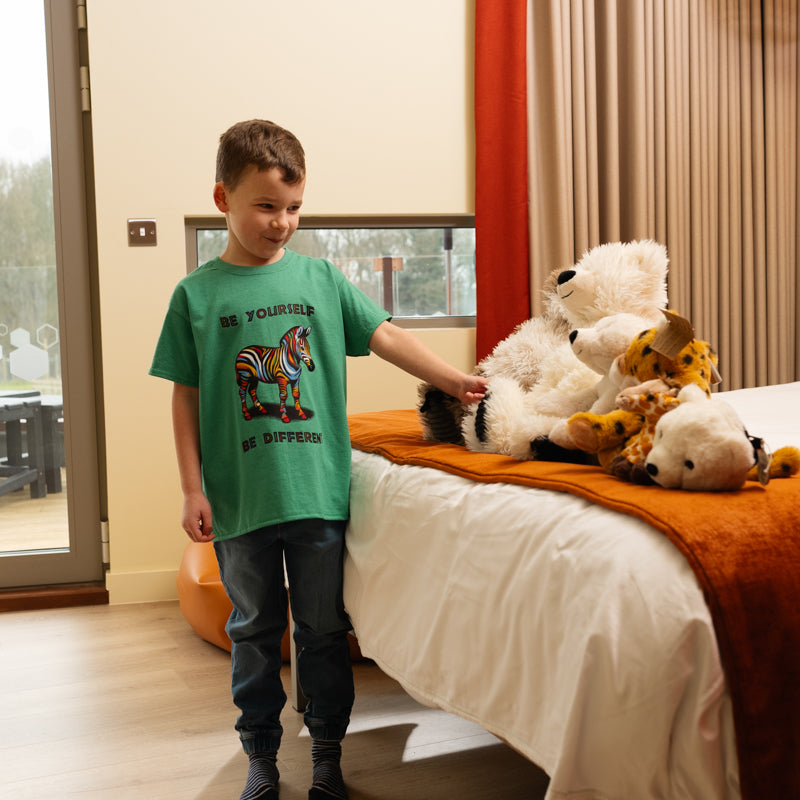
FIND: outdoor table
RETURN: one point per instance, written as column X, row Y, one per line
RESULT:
column 23, row 466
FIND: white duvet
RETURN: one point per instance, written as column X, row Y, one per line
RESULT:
column 577, row 634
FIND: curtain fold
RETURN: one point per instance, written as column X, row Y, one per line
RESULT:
column 501, row 170
column 675, row 120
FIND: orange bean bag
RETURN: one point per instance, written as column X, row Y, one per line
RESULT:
column 205, row 605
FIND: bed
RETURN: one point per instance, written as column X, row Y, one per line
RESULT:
column 633, row 642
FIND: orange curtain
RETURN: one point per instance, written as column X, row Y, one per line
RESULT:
column 501, row 177
column 675, row 120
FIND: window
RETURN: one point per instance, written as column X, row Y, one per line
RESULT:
column 420, row 269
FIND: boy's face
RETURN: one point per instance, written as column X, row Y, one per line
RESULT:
column 262, row 212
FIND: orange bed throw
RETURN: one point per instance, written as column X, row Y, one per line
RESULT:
column 744, row 548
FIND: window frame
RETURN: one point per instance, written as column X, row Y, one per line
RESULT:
column 193, row 223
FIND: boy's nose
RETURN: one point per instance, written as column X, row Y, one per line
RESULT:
column 280, row 220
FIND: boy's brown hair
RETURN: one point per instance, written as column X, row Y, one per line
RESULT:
column 263, row 144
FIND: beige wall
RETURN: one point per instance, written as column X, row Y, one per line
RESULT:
column 380, row 94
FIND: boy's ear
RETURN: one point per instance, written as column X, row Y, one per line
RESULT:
column 221, row 197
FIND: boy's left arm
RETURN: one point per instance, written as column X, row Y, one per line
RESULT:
column 404, row 350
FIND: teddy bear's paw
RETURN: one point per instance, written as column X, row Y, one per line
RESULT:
column 481, row 428
column 621, row 468
column 632, row 472
column 559, row 434
column 473, row 422
column 440, row 415
column 640, row 475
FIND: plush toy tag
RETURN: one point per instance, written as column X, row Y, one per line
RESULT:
column 671, row 338
column 763, row 459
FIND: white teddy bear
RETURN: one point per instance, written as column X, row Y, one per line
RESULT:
column 702, row 445
column 536, row 379
column 610, row 279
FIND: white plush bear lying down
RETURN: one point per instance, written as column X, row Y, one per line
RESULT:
column 702, row 445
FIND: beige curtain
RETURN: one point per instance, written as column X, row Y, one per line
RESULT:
column 676, row 120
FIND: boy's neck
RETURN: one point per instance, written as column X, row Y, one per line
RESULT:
column 231, row 256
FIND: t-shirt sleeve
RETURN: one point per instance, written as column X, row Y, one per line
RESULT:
column 360, row 315
column 175, row 357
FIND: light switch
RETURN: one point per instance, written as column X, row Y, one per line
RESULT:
column 142, row 232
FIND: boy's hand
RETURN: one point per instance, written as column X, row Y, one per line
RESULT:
column 197, row 517
column 474, row 389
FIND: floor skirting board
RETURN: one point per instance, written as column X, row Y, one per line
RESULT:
column 141, row 587
column 58, row 596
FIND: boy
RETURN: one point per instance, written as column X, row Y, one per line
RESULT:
column 266, row 481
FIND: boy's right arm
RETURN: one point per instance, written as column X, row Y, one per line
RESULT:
column 185, row 422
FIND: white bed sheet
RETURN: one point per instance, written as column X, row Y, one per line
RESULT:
column 578, row 635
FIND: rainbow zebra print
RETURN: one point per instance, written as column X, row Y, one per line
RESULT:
column 282, row 365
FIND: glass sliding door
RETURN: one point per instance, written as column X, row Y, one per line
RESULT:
column 49, row 484
column 31, row 517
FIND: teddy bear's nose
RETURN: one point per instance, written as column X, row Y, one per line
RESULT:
column 573, row 336
column 566, row 275
column 652, row 469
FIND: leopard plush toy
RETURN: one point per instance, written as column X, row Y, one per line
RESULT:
column 695, row 363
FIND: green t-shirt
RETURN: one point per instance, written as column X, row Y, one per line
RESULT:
column 235, row 332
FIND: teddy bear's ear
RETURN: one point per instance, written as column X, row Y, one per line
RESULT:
column 551, row 282
column 692, row 393
column 650, row 255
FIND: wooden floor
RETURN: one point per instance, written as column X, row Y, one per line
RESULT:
column 127, row 703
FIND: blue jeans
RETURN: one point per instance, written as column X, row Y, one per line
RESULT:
column 251, row 568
